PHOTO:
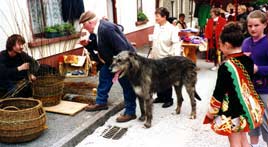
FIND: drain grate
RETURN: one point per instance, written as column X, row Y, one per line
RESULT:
column 120, row 133
column 114, row 132
column 105, row 130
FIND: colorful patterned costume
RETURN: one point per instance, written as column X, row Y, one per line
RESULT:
column 235, row 104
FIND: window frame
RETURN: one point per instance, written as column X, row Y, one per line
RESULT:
column 39, row 39
column 139, row 6
column 140, row 9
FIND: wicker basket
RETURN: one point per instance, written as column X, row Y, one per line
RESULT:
column 48, row 89
column 21, row 119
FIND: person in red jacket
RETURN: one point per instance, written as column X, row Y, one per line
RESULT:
column 213, row 30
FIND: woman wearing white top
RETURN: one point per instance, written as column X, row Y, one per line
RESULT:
column 166, row 42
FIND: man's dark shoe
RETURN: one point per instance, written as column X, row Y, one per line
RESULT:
column 158, row 100
column 96, row 107
column 167, row 104
column 125, row 118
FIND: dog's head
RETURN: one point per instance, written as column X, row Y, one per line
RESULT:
column 122, row 63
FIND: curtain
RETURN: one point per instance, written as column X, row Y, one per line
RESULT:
column 44, row 14
column 36, row 16
column 52, row 11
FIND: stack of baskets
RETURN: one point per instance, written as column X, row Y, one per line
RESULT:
column 21, row 119
column 48, row 89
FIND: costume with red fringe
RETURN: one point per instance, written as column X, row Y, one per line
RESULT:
column 235, row 105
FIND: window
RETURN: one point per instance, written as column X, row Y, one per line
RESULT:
column 139, row 6
column 50, row 15
column 141, row 17
column 44, row 13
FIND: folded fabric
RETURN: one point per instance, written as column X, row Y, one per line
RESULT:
column 70, row 59
column 194, row 30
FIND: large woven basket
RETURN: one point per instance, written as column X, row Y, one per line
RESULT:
column 21, row 119
column 48, row 89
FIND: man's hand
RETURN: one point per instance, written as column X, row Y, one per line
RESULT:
column 32, row 77
column 84, row 42
column 24, row 66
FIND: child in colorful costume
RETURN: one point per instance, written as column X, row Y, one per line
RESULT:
column 235, row 107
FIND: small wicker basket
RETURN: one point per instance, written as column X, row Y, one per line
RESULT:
column 48, row 89
column 21, row 119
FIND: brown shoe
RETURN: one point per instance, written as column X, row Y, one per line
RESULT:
column 125, row 118
column 96, row 107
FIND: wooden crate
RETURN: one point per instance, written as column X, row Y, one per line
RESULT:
column 66, row 69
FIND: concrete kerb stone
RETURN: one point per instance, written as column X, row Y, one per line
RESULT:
column 76, row 136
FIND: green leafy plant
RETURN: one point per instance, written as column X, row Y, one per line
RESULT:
column 69, row 28
column 59, row 30
column 261, row 2
column 141, row 16
column 50, row 30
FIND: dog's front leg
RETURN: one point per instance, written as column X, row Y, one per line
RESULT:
column 148, row 112
column 141, row 102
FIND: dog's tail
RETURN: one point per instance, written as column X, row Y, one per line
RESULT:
column 197, row 96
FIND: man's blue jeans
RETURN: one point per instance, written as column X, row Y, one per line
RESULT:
column 105, row 84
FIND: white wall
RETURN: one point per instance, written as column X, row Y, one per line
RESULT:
column 14, row 19
column 126, row 12
column 97, row 6
column 14, row 16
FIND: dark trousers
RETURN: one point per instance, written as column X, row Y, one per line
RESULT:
column 166, row 95
column 105, row 84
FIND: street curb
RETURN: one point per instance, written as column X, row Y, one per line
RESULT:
column 77, row 135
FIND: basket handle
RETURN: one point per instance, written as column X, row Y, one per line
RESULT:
column 11, row 108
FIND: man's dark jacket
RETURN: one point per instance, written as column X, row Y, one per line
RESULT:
column 111, row 41
column 9, row 73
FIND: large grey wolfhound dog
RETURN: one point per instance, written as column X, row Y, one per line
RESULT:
column 148, row 76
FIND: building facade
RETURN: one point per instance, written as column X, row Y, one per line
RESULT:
column 30, row 17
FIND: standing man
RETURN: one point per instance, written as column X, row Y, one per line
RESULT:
column 15, row 66
column 110, row 42
column 166, row 42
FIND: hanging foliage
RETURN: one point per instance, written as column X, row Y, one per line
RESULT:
column 261, row 2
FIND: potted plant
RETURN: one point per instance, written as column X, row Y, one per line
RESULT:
column 142, row 18
column 68, row 28
column 59, row 30
column 51, row 32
